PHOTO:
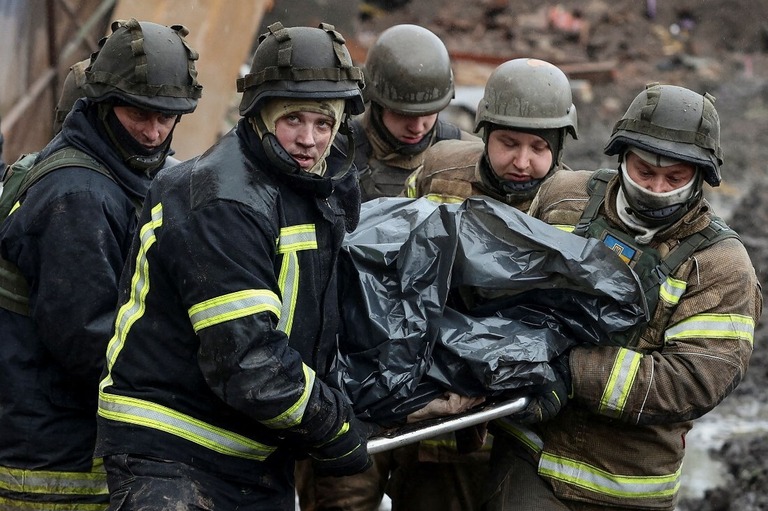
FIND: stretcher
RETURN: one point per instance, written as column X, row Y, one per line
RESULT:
column 411, row 433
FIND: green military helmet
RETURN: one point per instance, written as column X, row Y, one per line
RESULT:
column 675, row 122
column 145, row 65
column 408, row 70
column 71, row 91
column 301, row 62
column 530, row 94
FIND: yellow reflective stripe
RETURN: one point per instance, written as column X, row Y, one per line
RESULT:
column 563, row 227
column 623, row 373
column 526, row 436
column 134, row 308
column 410, row 185
column 152, row 415
column 444, row 199
column 14, row 208
column 233, row 306
column 714, row 326
column 288, row 281
column 293, row 415
column 292, row 239
column 297, row 237
column 55, row 483
column 604, row 483
column 10, row 504
column 671, row 290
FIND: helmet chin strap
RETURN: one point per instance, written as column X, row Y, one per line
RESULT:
column 133, row 153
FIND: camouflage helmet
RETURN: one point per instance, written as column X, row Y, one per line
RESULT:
column 71, row 91
column 145, row 65
column 675, row 122
column 408, row 70
column 529, row 94
column 301, row 62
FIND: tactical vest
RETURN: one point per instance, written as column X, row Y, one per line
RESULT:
column 17, row 179
column 377, row 179
column 646, row 262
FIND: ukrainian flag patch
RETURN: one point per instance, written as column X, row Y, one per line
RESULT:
column 623, row 250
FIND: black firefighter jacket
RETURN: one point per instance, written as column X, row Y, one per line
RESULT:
column 228, row 316
column 69, row 238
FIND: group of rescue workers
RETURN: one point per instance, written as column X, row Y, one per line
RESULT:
column 168, row 329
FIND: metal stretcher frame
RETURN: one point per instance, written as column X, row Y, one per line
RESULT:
column 415, row 432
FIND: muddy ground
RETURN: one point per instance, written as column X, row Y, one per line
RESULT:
column 706, row 45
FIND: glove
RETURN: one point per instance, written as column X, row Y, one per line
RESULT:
column 346, row 453
column 551, row 398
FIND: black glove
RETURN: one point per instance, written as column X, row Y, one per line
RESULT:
column 551, row 398
column 346, row 454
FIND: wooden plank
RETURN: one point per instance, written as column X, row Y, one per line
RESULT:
column 223, row 33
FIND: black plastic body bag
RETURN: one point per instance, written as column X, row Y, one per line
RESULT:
column 475, row 298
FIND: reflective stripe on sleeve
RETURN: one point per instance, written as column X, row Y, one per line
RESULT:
column 233, row 306
column 671, row 290
column 623, row 373
column 295, row 413
column 714, row 326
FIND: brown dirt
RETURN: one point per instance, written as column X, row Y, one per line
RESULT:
column 723, row 53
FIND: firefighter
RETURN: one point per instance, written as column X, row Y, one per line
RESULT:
column 524, row 117
column 63, row 248
column 609, row 431
column 409, row 80
column 228, row 308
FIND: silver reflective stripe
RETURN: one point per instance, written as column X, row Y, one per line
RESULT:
column 714, row 326
column 152, row 415
column 55, row 483
column 233, row 306
column 625, row 367
column 294, row 414
column 134, row 308
column 292, row 240
column 604, row 483
column 523, row 434
column 671, row 290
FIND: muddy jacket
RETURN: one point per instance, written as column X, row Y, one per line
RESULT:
column 621, row 439
column 69, row 237
column 451, row 173
column 383, row 173
column 228, row 317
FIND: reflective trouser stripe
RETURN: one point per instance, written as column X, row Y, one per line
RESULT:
column 603, row 483
column 292, row 240
column 714, row 326
column 41, row 490
column 152, row 415
column 623, row 373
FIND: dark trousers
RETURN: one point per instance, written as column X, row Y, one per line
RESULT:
column 139, row 483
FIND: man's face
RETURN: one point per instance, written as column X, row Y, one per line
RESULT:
column 517, row 156
column 408, row 129
column 658, row 179
column 305, row 136
column 149, row 128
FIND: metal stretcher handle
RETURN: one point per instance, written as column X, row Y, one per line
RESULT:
column 415, row 432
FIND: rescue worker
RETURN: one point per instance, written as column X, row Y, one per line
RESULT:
column 72, row 90
column 228, row 307
column 409, row 81
column 619, row 438
column 65, row 243
column 524, row 117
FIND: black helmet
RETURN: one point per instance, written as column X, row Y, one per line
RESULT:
column 301, row 62
column 408, row 70
column 145, row 65
column 675, row 122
